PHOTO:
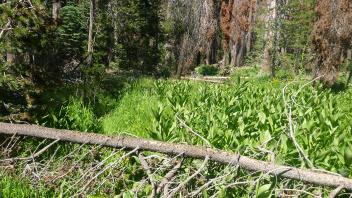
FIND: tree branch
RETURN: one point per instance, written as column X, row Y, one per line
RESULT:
column 309, row 176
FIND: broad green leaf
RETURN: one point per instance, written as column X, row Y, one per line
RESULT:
column 264, row 191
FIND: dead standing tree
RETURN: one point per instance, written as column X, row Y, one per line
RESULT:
column 202, row 24
column 332, row 37
column 195, row 29
column 237, row 19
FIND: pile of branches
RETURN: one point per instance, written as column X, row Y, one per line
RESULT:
column 80, row 164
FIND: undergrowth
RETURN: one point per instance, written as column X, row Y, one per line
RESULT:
column 248, row 116
column 241, row 115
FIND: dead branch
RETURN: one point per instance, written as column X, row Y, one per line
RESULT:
column 169, row 176
column 182, row 184
column 206, row 185
column 291, row 132
column 6, row 28
column 336, row 192
column 35, row 155
column 146, row 168
column 217, row 81
column 196, row 133
column 110, row 166
column 309, row 176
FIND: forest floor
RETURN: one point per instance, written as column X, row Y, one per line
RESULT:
column 256, row 116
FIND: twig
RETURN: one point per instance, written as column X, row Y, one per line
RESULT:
column 209, row 185
column 292, row 130
column 164, row 164
column 169, row 176
column 182, row 184
column 264, row 150
column 206, row 185
column 35, row 155
column 7, row 26
column 183, row 124
column 149, row 173
column 231, row 185
column 293, row 138
column 300, row 191
column 50, row 160
column 111, row 165
column 90, row 171
column 73, row 166
column 335, row 192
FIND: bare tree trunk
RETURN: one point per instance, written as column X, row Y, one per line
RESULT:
column 251, row 22
column 179, row 71
column 310, row 176
column 233, row 52
column 10, row 57
column 226, row 58
column 90, row 32
column 241, row 50
column 267, row 64
column 212, row 51
column 56, row 9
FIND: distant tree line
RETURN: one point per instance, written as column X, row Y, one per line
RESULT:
column 44, row 44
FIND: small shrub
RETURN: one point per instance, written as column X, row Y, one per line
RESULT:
column 207, row 70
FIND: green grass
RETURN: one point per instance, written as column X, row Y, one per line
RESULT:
column 133, row 114
column 12, row 186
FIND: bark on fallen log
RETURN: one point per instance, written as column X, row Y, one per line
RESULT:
column 309, row 176
column 203, row 80
column 216, row 77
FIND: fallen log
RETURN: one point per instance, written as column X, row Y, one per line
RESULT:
column 216, row 77
column 304, row 175
column 204, row 80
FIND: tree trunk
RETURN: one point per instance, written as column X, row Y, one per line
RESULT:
column 233, row 52
column 241, row 50
column 56, row 9
column 90, row 32
column 267, row 64
column 251, row 23
column 226, row 59
column 212, row 51
column 10, row 57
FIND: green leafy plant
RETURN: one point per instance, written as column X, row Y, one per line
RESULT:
column 207, row 70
